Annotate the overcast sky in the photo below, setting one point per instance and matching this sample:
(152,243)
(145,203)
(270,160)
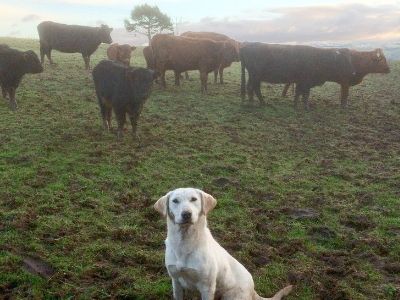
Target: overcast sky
(251,20)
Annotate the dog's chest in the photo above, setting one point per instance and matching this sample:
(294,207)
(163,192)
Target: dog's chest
(188,277)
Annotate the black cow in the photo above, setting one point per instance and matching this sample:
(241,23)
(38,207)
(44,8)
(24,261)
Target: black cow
(14,64)
(71,39)
(304,65)
(122,89)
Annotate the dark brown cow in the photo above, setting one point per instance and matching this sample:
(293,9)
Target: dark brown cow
(121,53)
(14,64)
(149,57)
(364,63)
(182,54)
(304,65)
(218,37)
(71,39)
(122,89)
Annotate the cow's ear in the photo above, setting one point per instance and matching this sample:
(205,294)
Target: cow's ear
(133,48)
(379,53)
(161,204)
(208,202)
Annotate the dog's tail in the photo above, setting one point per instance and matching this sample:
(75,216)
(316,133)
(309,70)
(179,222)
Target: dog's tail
(279,295)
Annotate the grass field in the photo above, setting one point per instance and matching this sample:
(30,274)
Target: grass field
(308,198)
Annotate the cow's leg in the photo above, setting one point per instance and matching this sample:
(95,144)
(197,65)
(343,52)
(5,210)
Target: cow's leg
(297,94)
(13,102)
(285,89)
(177,78)
(221,75)
(187,76)
(103,112)
(203,79)
(250,90)
(86,59)
(48,54)
(216,76)
(42,53)
(4,92)
(134,114)
(120,115)
(134,119)
(163,82)
(306,96)
(257,90)
(344,91)
(108,116)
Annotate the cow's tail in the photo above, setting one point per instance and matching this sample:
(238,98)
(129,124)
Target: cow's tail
(243,79)
(279,295)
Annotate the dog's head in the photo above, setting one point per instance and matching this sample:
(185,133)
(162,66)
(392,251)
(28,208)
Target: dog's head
(185,206)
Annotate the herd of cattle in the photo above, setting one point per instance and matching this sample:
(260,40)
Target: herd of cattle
(124,89)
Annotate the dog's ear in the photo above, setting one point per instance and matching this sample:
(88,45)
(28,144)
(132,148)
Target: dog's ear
(209,202)
(161,205)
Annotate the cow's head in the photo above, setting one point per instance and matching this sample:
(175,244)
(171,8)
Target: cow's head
(125,53)
(32,62)
(105,34)
(229,52)
(140,81)
(378,63)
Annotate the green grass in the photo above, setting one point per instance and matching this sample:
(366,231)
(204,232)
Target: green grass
(80,200)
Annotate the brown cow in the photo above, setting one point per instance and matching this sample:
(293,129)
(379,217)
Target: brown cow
(364,63)
(149,57)
(218,37)
(121,53)
(182,54)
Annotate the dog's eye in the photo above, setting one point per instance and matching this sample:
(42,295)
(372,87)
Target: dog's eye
(193,199)
(175,201)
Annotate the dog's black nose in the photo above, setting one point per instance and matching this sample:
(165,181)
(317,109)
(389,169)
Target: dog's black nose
(186,215)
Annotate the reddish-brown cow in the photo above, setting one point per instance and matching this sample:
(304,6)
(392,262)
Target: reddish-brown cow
(218,37)
(121,53)
(364,63)
(182,54)
(149,57)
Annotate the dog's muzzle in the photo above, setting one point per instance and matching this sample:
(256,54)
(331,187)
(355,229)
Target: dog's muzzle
(186,217)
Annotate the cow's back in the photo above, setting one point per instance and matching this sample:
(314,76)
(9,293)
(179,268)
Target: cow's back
(8,58)
(206,35)
(183,54)
(287,63)
(69,38)
(218,37)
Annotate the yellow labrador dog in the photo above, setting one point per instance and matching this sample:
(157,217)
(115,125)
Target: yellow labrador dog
(194,260)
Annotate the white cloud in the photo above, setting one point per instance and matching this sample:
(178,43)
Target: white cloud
(313,23)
